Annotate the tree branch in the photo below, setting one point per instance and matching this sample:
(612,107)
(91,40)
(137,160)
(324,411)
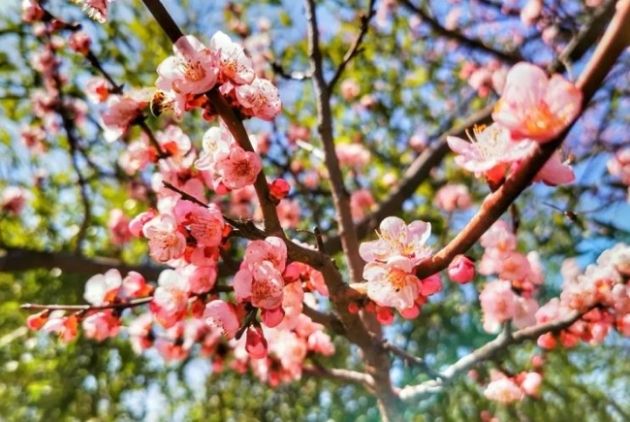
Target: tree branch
(341,198)
(420,168)
(485,352)
(511,57)
(341,375)
(611,46)
(356,45)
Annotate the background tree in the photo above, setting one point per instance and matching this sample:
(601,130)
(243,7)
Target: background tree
(370,91)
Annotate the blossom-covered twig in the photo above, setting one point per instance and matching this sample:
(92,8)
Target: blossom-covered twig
(419,169)
(485,352)
(610,47)
(231,120)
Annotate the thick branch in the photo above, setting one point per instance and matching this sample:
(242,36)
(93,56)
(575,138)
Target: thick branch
(341,198)
(18,259)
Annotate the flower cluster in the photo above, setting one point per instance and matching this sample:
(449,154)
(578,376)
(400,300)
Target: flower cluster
(531,109)
(229,166)
(506,390)
(511,298)
(102,289)
(284,352)
(391,261)
(601,293)
(194,69)
(619,166)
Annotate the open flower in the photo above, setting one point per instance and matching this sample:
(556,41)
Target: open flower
(535,107)
(240,168)
(259,99)
(392,283)
(235,66)
(398,239)
(103,288)
(490,152)
(170,299)
(192,70)
(165,241)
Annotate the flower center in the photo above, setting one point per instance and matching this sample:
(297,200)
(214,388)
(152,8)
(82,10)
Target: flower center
(193,71)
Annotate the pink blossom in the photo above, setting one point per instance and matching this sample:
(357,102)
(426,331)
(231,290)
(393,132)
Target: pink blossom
(134,286)
(525,312)
(174,141)
(262,285)
(31,11)
(350,89)
(119,113)
(504,390)
(97,89)
(80,42)
(555,172)
(192,70)
(221,314)
(165,240)
(535,107)
(461,270)
(216,144)
(530,383)
(205,224)
(619,165)
(398,239)
(235,66)
(297,133)
(137,156)
(138,222)
(201,279)
(34,137)
(272,317)
(101,289)
(593,3)
(430,285)
(118,226)
(531,12)
(101,325)
(499,237)
(353,155)
(13,200)
(256,345)
(491,153)
(498,303)
(418,142)
(66,327)
(392,283)
(289,213)
(240,168)
(260,99)
(170,299)
(96,9)
(361,201)
(452,197)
